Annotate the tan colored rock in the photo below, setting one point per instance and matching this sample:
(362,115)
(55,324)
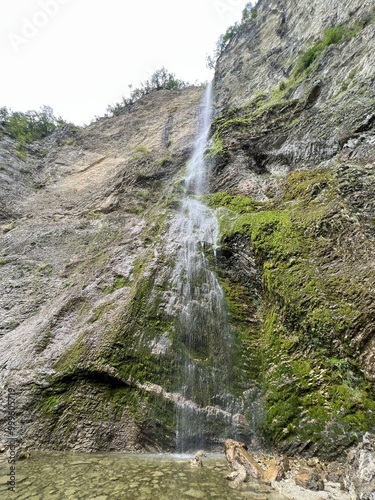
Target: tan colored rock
(197,461)
(310,481)
(23,452)
(243,463)
(273,473)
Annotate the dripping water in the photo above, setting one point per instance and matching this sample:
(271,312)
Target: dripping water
(204,417)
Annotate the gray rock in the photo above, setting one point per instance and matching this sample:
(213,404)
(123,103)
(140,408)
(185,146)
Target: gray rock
(310,481)
(359,476)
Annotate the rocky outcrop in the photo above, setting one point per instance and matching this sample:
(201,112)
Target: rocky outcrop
(359,476)
(81,217)
(263,54)
(244,466)
(293,166)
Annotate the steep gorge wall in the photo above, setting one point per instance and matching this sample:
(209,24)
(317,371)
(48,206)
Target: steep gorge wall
(293,158)
(82,218)
(87,323)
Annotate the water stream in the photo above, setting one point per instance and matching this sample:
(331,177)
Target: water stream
(201,323)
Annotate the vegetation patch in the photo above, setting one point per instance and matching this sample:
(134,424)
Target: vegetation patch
(29,126)
(313,308)
(161,79)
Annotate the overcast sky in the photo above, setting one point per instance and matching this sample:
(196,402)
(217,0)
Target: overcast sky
(78,56)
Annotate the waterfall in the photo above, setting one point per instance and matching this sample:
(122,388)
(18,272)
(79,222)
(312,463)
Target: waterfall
(205,415)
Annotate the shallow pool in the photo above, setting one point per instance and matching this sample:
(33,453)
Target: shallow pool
(102,476)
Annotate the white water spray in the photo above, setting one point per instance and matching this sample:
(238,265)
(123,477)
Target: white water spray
(201,324)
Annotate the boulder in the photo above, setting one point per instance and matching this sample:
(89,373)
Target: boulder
(197,461)
(238,457)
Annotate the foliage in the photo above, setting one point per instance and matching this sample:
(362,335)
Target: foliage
(331,36)
(313,311)
(29,126)
(248,14)
(160,80)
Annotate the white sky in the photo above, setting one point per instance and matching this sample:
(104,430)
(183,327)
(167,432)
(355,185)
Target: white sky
(78,56)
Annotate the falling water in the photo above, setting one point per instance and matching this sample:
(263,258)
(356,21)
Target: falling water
(205,414)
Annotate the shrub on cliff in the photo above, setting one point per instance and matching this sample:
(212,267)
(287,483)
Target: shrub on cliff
(29,126)
(331,36)
(248,14)
(160,80)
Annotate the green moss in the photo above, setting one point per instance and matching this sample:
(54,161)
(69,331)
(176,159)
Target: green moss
(49,404)
(331,36)
(100,311)
(94,214)
(164,161)
(120,282)
(216,146)
(141,149)
(239,204)
(312,310)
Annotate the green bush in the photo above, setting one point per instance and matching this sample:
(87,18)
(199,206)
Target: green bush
(331,36)
(29,126)
(160,80)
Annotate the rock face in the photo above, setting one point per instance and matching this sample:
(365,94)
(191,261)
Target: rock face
(80,219)
(264,52)
(360,471)
(294,131)
(87,337)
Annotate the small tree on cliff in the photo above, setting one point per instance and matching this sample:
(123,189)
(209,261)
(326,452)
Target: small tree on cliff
(160,80)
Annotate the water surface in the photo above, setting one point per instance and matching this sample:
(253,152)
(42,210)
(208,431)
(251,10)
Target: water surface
(104,476)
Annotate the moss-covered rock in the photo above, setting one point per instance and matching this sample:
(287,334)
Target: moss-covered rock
(314,307)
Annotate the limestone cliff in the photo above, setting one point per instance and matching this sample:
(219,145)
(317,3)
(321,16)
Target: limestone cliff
(81,219)
(86,321)
(295,133)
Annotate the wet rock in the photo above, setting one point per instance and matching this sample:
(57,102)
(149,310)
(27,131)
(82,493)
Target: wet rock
(23,452)
(194,494)
(197,461)
(359,478)
(242,463)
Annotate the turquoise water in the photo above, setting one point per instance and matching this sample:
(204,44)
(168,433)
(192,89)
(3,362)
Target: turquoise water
(102,476)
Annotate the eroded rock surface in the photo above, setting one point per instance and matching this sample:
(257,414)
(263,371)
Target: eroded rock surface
(86,316)
(359,476)
(243,464)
